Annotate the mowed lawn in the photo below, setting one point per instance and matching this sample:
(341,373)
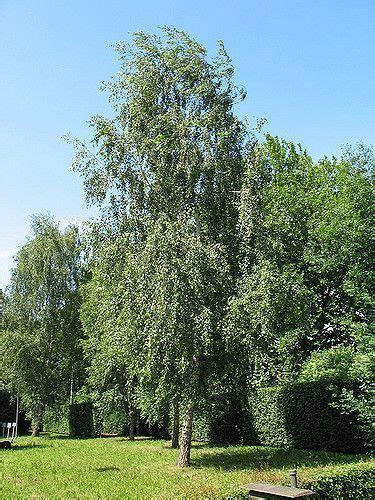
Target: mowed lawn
(54,466)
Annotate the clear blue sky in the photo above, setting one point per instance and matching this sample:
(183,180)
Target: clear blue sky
(308,66)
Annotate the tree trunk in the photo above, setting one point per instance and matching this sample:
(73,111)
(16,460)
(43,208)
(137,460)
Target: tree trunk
(176,424)
(138,425)
(37,422)
(131,424)
(71,388)
(185,446)
(132,409)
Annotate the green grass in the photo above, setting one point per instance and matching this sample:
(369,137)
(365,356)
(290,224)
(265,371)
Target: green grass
(54,466)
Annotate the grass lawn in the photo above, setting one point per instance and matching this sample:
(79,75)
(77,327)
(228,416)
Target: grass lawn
(54,466)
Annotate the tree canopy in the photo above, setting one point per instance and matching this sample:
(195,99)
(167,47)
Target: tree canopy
(40,350)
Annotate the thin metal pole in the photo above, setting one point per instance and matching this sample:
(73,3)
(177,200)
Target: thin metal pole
(17,411)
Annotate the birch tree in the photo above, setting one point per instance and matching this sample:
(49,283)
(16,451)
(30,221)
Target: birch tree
(42,328)
(173,151)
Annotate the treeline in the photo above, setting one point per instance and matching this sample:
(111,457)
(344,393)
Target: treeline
(224,260)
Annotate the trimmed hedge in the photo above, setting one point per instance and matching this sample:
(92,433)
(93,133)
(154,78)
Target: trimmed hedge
(224,419)
(81,422)
(304,415)
(56,420)
(344,482)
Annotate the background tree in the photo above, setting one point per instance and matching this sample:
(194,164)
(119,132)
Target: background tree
(107,308)
(306,232)
(40,341)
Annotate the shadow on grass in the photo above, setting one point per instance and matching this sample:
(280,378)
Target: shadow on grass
(107,469)
(61,437)
(30,446)
(260,458)
(137,438)
(66,437)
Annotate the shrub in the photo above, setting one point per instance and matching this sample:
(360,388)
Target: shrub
(57,420)
(269,417)
(224,419)
(351,368)
(334,363)
(201,431)
(81,422)
(115,422)
(344,482)
(308,415)
(229,422)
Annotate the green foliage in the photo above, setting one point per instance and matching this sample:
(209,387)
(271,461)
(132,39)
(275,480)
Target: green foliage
(56,419)
(334,363)
(39,344)
(81,422)
(164,170)
(343,364)
(115,422)
(174,143)
(308,415)
(180,320)
(307,279)
(344,482)
(220,263)
(201,430)
(225,419)
(151,312)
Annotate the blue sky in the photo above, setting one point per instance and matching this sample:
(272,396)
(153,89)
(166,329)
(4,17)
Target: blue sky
(308,67)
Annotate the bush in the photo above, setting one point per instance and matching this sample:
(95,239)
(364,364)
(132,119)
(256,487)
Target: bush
(201,430)
(308,415)
(115,422)
(344,482)
(57,420)
(229,421)
(224,419)
(334,363)
(81,422)
(267,408)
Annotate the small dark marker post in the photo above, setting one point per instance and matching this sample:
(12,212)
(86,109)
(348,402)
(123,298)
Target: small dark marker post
(293,478)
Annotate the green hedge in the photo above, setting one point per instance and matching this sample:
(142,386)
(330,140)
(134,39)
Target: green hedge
(81,422)
(57,420)
(344,482)
(115,422)
(224,419)
(306,415)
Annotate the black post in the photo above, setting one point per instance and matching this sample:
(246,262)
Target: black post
(293,478)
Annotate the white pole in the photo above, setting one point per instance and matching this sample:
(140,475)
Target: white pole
(71,388)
